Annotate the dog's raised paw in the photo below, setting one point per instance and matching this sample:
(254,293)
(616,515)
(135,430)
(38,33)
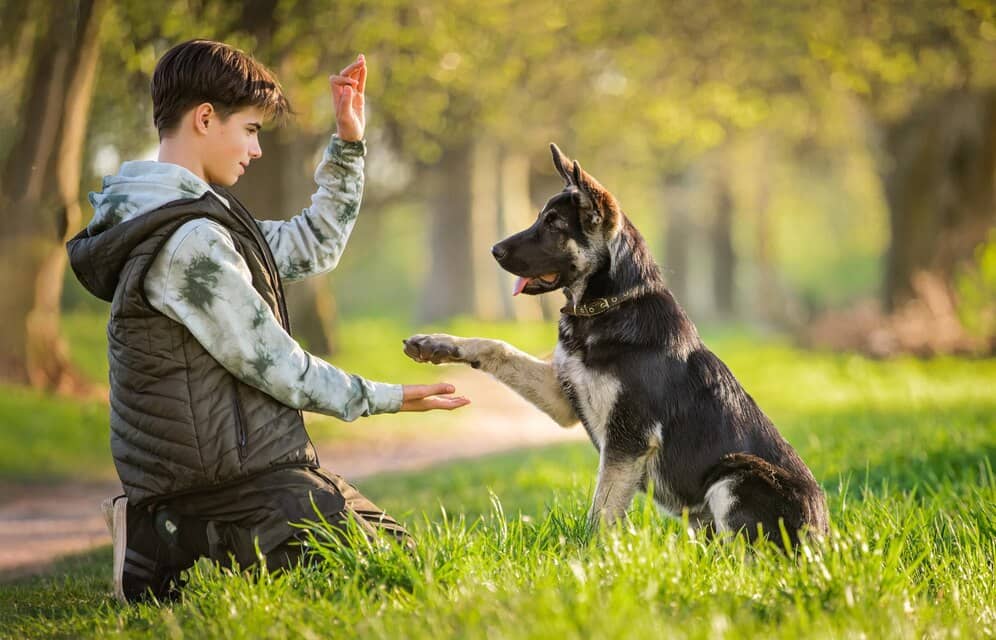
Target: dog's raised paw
(436,348)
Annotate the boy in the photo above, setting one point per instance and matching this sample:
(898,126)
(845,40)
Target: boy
(206,383)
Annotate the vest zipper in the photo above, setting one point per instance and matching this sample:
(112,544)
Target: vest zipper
(243,437)
(278,286)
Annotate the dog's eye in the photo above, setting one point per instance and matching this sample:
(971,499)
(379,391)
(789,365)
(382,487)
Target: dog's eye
(550,220)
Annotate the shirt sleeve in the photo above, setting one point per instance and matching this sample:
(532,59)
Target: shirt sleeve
(200,280)
(312,242)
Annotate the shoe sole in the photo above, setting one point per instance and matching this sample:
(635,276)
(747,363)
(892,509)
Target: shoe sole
(117,523)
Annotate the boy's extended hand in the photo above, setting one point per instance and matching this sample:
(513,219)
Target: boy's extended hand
(426,397)
(347,100)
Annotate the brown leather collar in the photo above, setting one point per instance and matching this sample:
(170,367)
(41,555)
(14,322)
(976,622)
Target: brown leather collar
(597,306)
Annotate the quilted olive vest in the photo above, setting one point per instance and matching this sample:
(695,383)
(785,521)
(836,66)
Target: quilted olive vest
(180,422)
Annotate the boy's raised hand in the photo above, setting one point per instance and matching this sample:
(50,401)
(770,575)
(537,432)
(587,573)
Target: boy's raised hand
(347,99)
(426,397)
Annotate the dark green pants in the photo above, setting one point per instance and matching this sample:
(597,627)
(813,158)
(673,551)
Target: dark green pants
(227,540)
(235,524)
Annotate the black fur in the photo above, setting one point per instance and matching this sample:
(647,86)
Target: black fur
(710,428)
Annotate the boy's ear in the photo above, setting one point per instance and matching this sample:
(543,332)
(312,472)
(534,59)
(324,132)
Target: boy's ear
(203,115)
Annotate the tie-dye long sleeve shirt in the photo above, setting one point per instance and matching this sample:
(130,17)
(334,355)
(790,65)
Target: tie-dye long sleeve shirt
(200,280)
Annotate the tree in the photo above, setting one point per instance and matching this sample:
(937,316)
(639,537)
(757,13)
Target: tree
(941,189)
(39,206)
(724,257)
(923,71)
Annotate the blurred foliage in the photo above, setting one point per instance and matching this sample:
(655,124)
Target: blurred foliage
(787,96)
(976,288)
(687,75)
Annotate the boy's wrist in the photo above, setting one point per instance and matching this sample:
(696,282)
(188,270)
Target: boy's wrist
(357,148)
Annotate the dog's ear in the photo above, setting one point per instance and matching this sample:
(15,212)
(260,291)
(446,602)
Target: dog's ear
(561,162)
(597,207)
(591,217)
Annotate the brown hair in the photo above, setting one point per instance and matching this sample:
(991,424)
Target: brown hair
(199,71)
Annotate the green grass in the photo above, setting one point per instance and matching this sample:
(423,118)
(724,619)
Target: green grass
(903,560)
(904,449)
(49,439)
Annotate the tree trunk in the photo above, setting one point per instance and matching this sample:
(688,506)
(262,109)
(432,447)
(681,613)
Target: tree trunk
(40,196)
(484,230)
(517,213)
(940,190)
(449,288)
(770,301)
(724,259)
(678,196)
(314,315)
(767,284)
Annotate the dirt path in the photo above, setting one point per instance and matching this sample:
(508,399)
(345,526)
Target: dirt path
(40,524)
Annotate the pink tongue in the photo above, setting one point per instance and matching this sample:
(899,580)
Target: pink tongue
(520,284)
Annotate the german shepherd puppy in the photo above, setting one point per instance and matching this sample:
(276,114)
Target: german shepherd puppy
(661,409)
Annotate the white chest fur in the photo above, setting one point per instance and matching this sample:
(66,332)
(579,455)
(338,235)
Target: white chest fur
(596,392)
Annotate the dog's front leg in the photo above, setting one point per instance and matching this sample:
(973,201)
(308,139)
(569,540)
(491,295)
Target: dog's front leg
(532,378)
(619,478)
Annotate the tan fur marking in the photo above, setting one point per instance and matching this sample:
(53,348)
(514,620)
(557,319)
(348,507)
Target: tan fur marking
(530,377)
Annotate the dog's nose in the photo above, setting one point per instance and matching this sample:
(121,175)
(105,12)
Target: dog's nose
(499,251)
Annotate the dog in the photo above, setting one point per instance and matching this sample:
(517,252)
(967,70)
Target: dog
(663,411)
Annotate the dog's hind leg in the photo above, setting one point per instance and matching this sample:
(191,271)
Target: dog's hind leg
(532,378)
(720,500)
(747,492)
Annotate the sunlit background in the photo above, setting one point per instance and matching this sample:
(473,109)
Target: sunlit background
(783,159)
(817,180)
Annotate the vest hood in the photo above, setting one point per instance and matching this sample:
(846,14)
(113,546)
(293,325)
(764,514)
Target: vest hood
(98,253)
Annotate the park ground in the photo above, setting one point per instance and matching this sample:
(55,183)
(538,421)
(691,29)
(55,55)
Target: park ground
(903,449)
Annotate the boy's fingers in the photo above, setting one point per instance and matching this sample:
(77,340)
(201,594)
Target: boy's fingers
(357,71)
(437,402)
(344,98)
(351,68)
(427,397)
(362,76)
(343,80)
(448,403)
(417,391)
(439,389)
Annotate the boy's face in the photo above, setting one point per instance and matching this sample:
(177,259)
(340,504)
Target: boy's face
(232,143)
